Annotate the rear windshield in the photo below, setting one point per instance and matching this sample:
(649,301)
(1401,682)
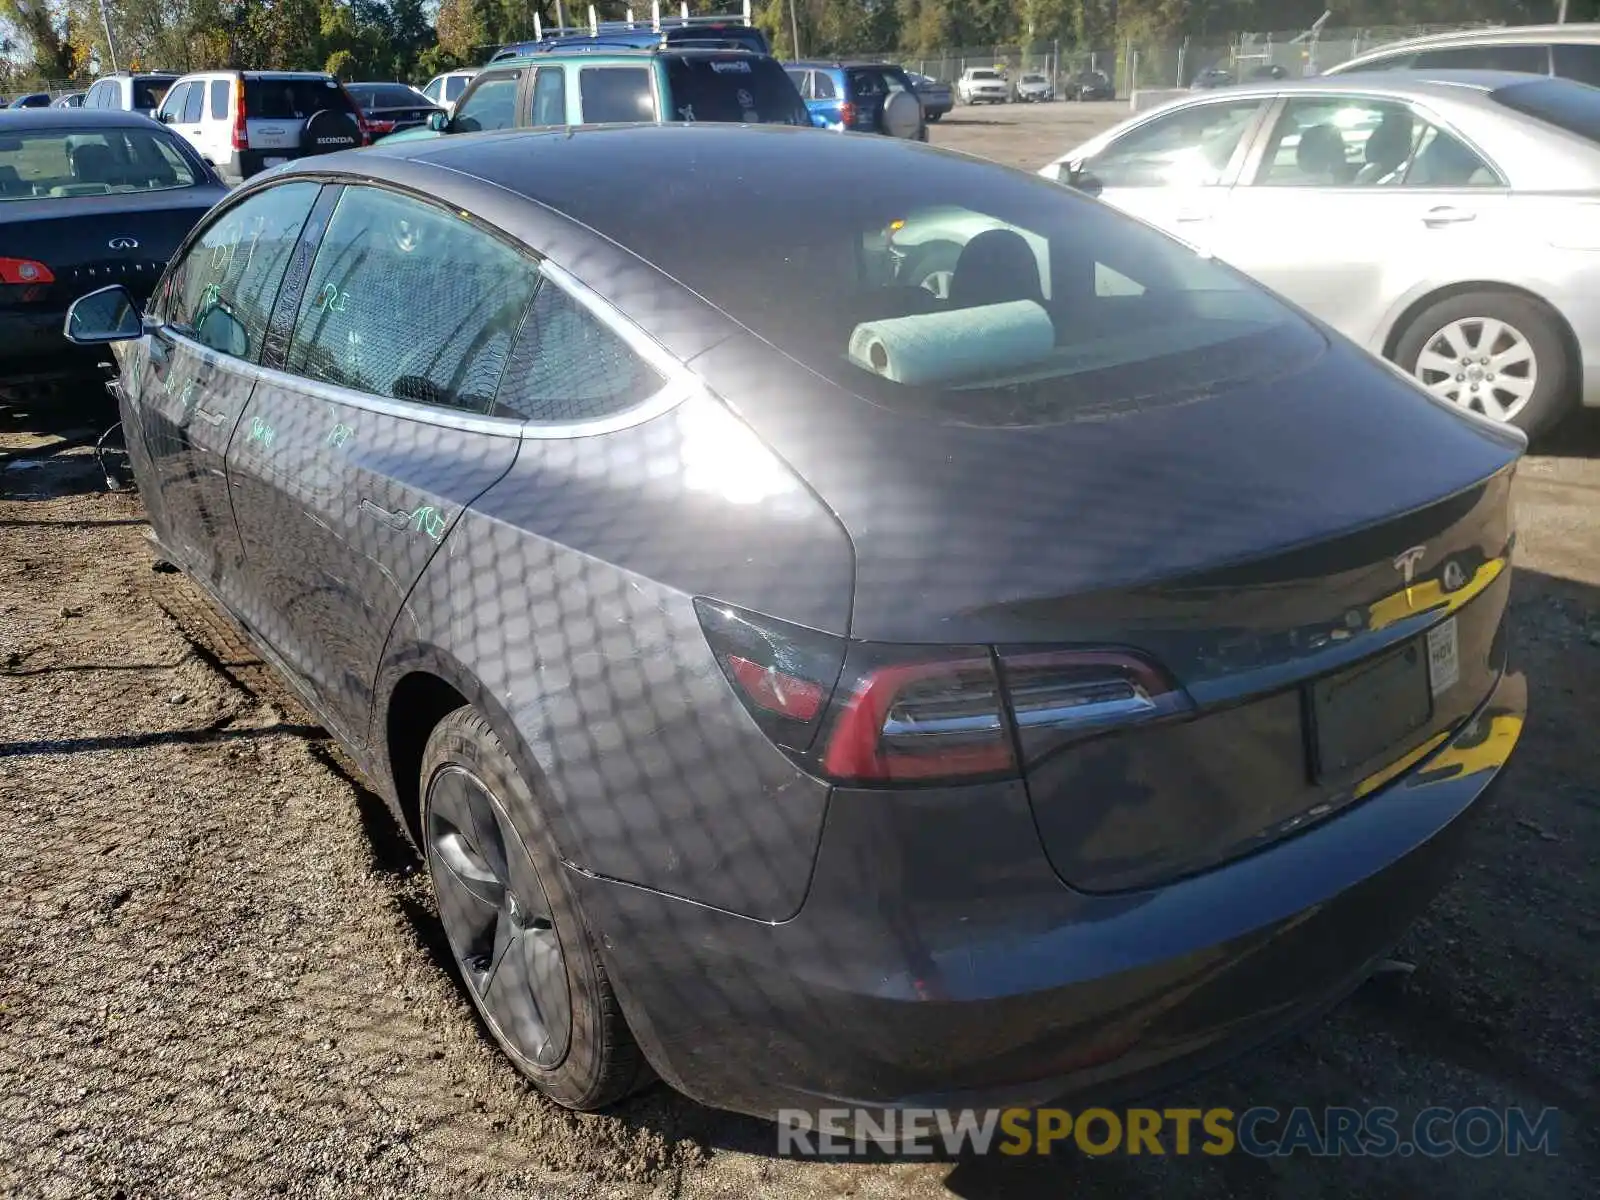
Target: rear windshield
(755,91)
(149,93)
(1573,107)
(292,99)
(1033,79)
(985,75)
(877,81)
(1009,300)
(385,95)
(739,35)
(64,162)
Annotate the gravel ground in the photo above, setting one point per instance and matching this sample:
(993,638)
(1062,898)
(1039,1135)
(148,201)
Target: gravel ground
(222,975)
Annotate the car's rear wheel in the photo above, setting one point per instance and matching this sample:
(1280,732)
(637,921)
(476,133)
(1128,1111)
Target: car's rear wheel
(513,924)
(1498,354)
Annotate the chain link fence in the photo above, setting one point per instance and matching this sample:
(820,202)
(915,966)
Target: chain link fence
(1138,64)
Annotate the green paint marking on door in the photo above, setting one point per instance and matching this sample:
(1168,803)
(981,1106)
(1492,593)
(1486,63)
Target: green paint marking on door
(340,435)
(429,520)
(261,432)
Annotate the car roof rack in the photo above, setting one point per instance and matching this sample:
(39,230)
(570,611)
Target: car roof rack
(630,24)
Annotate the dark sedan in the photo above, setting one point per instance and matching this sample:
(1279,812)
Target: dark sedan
(1090,85)
(390,107)
(87,197)
(32,100)
(806,684)
(937,96)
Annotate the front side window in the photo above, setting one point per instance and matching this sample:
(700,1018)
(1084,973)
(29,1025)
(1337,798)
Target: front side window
(1339,142)
(172,106)
(616,95)
(752,91)
(40,162)
(432,90)
(492,104)
(410,302)
(550,97)
(221,293)
(569,367)
(1191,147)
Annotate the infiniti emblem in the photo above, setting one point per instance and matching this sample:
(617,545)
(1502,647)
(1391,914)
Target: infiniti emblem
(123,243)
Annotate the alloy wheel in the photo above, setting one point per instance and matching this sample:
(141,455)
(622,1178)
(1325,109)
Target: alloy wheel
(1482,364)
(497,918)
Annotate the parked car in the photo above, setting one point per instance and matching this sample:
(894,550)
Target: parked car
(607,556)
(242,122)
(140,92)
(860,97)
(444,90)
(726,31)
(937,96)
(70,100)
(982,85)
(86,199)
(1033,87)
(1268,71)
(1568,51)
(390,107)
(1434,217)
(1212,77)
(32,100)
(1090,85)
(613,86)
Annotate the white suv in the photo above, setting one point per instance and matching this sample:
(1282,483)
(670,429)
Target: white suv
(444,90)
(140,93)
(243,122)
(983,85)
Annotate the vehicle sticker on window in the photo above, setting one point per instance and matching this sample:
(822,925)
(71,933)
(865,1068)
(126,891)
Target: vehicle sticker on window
(730,67)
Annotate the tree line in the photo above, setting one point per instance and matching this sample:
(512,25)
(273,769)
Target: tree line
(411,40)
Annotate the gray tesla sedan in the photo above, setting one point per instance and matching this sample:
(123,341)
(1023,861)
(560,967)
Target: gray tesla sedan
(803,685)
(1443,219)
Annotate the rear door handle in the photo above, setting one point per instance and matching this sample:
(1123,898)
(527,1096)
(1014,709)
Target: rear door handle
(1448,215)
(397,519)
(1191,216)
(215,418)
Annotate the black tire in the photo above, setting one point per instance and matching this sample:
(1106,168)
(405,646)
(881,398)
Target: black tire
(933,118)
(601,1062)
(1553,397)
(329,131)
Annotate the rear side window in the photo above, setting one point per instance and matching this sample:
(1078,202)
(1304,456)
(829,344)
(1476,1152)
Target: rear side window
(410,302)
(1556,102)
(194,104)
(549,97)
(292,99)
(616,95)
(222,292)
(755,91)
(1534,60)
(148,93)
(454,86)
(569,367)
(219,99)
(1579,61)
(385,95)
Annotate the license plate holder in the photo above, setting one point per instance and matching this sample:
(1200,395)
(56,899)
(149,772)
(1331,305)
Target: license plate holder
(1370,708)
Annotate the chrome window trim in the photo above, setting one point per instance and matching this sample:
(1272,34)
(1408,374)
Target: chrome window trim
(681,383)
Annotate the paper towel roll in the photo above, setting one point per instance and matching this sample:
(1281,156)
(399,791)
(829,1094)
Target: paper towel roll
(959,344)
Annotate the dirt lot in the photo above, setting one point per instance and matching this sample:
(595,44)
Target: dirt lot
(220,974)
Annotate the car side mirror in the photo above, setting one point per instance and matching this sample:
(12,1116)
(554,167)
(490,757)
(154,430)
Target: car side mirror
(438,121)
(109,315)
(164,117)
(1080,179)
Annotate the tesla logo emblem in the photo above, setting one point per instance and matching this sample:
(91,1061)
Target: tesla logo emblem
(1455,577)
(1406,564)
(123,243)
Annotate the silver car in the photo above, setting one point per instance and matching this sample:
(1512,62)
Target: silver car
(1449,221)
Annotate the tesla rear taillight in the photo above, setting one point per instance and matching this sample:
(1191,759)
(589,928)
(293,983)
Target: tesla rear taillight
(872,714)
(24,270)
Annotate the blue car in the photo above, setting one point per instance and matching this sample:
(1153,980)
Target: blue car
(861,97)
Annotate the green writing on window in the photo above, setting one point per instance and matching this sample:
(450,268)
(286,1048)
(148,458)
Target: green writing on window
(339,435)
(331,299)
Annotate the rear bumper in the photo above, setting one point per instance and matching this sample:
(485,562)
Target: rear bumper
(938,960)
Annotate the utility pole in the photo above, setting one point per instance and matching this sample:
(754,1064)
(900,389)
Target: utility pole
(1561,11)
(111,45)
(794,27)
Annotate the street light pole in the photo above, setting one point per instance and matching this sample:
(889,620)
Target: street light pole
(794,27)
(111,45)
(1561,11)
